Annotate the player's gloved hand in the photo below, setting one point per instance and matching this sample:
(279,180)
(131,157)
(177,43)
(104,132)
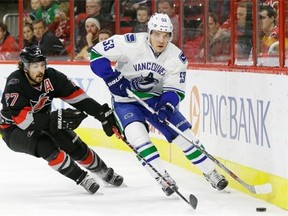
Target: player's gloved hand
(63,119)
(165,111)
(166,105)
(106,117)
(118,84)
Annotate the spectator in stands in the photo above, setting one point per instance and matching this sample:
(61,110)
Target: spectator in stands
(129,7)
(92,27)
(142,20)
(192,46)
(106,7)
(104,34)
(31,16)
(29,38)
(221,9)
(61,25)
(48,10)
(47,41)
(244,35)
(8,46)
(93,10)
(270,30)
(167,7)
(218,42)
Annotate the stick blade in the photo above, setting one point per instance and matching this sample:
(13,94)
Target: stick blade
(263,189)
(193,201)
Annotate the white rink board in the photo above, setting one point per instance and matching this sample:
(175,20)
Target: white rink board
(242,116)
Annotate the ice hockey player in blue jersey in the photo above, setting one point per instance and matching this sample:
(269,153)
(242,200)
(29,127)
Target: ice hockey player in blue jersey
(154,69)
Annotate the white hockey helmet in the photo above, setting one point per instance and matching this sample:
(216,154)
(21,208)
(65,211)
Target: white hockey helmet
(160,22)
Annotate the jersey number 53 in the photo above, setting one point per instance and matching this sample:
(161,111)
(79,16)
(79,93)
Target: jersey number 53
(108,44)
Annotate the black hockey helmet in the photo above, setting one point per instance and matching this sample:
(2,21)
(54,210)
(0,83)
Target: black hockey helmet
(32,54)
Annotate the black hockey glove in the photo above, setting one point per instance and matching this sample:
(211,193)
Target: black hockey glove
(63,119)
(106,117)
(118,84)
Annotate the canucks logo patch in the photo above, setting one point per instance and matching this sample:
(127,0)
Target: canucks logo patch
(144,84)
(182,57)
(130,38)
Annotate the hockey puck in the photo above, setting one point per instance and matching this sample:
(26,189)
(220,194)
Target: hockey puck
(260,209)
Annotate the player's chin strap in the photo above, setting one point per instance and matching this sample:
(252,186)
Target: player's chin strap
(192,199)
(256,189)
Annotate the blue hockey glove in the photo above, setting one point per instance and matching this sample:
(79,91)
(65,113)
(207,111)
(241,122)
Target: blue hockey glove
(118,84)
(166,105)
(165,111)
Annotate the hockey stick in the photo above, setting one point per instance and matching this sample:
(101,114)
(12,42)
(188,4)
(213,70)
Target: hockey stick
(193,201)
(256,189)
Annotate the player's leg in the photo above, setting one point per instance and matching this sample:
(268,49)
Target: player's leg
(195,156)
(40,144)
(69,141)
(136,134)
(201,161)
(132,120)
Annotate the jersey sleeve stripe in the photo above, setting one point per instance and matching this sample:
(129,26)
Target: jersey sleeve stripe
(75,97)
(24,119)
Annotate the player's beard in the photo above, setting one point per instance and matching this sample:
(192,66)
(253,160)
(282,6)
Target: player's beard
(35,81)
(39,79)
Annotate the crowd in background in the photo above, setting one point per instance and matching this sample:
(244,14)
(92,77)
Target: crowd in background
(47,23)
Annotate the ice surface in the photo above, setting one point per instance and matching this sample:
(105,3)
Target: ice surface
(28,186)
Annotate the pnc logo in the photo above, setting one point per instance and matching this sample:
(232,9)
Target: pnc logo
(195,109)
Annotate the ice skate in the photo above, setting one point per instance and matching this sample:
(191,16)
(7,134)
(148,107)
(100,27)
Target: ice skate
(89,184)
(168,184)
(109,176)
(217,180)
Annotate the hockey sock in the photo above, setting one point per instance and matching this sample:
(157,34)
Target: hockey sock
(66,166)
(137,135)
(95,164)
(195,156)
(92,162)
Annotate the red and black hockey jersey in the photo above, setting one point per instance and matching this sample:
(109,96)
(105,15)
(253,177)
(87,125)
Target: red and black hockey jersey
(28,106)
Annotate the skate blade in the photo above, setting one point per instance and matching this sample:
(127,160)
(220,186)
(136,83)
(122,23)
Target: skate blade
(107,185)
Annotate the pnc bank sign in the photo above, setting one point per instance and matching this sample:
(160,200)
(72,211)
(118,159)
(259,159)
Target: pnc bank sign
(242,119)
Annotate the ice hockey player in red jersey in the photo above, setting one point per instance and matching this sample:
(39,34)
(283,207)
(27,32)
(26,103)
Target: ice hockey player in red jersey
(28,124)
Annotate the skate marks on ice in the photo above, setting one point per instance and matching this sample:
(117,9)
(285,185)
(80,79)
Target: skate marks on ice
(28,186)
